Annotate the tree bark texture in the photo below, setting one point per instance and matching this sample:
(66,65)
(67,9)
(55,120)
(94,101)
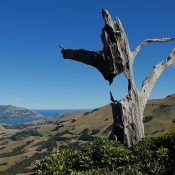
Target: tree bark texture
(128,125)
(115,58)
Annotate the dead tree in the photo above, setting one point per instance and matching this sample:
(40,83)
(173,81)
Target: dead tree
(115,58)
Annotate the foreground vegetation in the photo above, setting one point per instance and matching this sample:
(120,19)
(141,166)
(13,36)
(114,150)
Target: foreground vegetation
(154,155)
(21,145)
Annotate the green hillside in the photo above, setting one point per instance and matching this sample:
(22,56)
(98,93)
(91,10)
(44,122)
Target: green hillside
(161,115)
(23,144)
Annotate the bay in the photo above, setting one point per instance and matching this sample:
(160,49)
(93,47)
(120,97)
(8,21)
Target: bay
(45,112)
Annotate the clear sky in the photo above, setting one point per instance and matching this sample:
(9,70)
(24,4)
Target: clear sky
(33,73)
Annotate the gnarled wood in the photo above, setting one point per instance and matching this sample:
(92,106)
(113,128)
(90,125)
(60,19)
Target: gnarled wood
(150,81)
(128,125)
(150,40)
(116,58)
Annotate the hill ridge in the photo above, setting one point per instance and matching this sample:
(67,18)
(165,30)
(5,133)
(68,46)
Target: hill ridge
(10,111)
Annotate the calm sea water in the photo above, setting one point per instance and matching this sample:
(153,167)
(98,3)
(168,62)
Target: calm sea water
(45,112)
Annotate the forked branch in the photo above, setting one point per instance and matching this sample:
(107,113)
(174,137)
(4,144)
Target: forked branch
(147,41)
(149,82)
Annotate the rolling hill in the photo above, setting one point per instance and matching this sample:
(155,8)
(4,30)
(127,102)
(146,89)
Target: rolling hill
(23,144)
(9,111)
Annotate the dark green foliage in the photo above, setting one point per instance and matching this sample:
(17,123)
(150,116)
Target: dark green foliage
(2,147)
(86,131)
(86,135)
(16,126)
(108,129)
(3,164)
(158,146)
(20,166)
(147,118)
(86,113)
(73,120)
(50,144)
(16,151)
(95,131)
(173,121)
(25,133)
(152,156)
(58,127)
(64,132)
(89,112)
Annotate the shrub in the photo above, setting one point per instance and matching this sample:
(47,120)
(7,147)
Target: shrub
(95,131)
(158,150)
(147,119)
(151,156)
(25,133)
(86,135)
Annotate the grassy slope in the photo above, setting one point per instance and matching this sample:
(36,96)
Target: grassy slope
(162,114)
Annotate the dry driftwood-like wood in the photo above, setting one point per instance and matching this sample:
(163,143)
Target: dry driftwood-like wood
(115,58)
(150,40)
(128,113)
(150,81)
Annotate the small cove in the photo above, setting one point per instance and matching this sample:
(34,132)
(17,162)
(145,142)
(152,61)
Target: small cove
(45,112)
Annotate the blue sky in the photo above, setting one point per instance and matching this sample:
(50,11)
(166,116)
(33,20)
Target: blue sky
(33,73)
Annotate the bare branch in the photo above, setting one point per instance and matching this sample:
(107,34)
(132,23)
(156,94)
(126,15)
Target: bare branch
(84,56)
(114,58)
(147,41)
(92,58)
(61,46)
(149,82)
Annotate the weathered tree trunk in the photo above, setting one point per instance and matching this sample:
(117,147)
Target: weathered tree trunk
(127,113)
(115,58)
(128,120)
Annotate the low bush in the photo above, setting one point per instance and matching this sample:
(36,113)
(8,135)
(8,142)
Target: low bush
(155,156)
(25,133)
(147,119)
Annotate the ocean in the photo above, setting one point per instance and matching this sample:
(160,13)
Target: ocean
(45,112)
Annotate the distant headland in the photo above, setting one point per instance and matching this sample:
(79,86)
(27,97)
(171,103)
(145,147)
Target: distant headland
(9,111)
